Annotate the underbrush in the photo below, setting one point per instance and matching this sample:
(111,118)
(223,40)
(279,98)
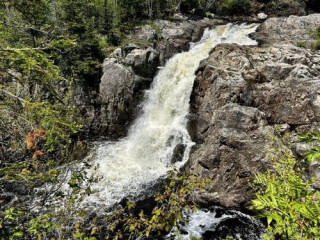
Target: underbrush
(151,218)
(286,197)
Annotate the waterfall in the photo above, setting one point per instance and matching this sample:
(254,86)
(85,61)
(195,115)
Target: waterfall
(126,167)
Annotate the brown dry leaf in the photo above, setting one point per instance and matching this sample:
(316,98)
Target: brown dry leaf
(37,154)
(30,140)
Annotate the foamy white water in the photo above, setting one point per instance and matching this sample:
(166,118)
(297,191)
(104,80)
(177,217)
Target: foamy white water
(204,221)
(127,166)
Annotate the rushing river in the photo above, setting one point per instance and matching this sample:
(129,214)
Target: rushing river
(128,166)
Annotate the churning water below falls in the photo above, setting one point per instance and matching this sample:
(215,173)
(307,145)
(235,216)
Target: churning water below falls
(127,166)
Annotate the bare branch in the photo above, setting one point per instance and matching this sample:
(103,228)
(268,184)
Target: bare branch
(14,96)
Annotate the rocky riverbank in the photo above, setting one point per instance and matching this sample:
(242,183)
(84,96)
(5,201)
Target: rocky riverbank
(241,95)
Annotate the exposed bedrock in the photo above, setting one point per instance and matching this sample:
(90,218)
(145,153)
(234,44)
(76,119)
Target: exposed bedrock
(240,95)
(292,29)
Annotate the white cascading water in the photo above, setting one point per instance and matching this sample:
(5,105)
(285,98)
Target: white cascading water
(202,221)
(127,166)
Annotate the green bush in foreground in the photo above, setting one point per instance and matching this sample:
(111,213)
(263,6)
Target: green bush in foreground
(129,223)
(235,7)
(285,198)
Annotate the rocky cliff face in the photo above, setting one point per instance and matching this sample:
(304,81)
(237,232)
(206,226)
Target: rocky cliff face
(243,93)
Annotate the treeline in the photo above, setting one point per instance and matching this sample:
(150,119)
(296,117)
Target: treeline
(35,20)
(81,30)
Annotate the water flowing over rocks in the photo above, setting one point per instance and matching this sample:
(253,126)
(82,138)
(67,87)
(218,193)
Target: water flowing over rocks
(158,140)
(129,71)
(218,223)
(243,93)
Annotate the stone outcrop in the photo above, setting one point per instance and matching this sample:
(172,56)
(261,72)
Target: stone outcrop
(121,89)
(241,95)
(292,30)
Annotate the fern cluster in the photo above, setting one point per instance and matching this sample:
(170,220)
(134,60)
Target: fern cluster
(286,198)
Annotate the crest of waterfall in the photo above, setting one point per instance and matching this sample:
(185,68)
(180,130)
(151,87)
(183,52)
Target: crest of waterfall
(127,166)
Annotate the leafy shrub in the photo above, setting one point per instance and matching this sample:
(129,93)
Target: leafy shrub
(302,44)
(169,206)
(285,198)
(235,7)
(317,45)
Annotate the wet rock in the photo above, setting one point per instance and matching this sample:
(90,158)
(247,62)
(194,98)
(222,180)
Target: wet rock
(241,95)
(130,47)
(218,223)
(314,170)
(117,54)
(178,153)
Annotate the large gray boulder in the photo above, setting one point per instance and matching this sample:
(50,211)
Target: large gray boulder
(240,95)
(292,29)
(144,62)
(120,92)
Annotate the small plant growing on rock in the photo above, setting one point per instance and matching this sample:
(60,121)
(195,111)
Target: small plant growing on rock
(301,44)
(317,45)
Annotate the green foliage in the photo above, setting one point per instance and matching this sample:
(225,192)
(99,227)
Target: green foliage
(12,217)
(55,119)
(317,33)
(313,153)
(30,66)
(235,7)
(42,225)
(228,238)
(131,222)
(30,99)
(285,198)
